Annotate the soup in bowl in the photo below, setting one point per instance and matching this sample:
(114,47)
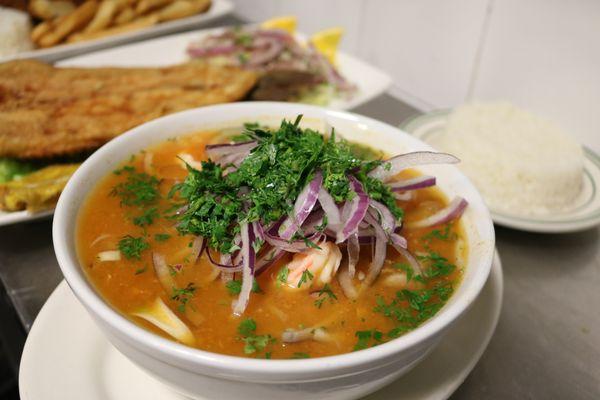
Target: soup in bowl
(272,249)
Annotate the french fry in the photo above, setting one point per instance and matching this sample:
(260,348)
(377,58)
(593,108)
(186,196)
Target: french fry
(126,15)
(181,9)
(70,23)
(103,17)
(48,9)
(143,6)
(142,22)
(40,30)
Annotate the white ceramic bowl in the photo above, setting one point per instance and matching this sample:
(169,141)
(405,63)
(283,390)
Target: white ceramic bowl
(201,374)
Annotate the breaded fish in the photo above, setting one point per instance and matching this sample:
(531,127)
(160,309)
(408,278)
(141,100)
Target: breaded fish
(47,111)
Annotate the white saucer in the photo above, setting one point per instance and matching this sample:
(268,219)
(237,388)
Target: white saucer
(66,357)
(584,214)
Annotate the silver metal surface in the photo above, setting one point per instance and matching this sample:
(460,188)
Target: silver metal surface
(546,346)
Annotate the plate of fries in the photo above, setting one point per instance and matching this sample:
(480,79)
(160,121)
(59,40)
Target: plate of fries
(70,27)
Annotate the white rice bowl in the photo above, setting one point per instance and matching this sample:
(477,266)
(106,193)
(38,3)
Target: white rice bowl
(521,163)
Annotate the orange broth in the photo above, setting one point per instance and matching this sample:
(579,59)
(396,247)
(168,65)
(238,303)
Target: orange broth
(130,285)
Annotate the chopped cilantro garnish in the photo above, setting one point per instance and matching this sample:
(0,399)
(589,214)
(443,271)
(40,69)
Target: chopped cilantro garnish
(306,276)
(406,268)
(132,247)
(140,270)
(366,337)
(253,342)
(235,287)
(446,235)
(183,295)
(147,217)
(139,189)
(436,265)
(161,237)
(282,275)
(324,294)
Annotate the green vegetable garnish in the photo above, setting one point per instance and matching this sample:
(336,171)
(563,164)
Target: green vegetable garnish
(269,180)
(183,295)
(161,237)
(235,287)
(365,337)
(147,217)
(139,188)
(254,342)
(13,169)
(324,294)
(132,247)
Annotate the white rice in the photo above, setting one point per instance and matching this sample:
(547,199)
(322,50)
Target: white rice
(15,28)
(521,163)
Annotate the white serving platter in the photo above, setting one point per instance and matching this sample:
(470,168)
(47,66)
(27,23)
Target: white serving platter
(218,9)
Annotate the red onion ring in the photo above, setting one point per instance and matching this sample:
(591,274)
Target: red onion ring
(304,204)
(419,182)
(452,211)
(248,260)
(356,210)
(398,163)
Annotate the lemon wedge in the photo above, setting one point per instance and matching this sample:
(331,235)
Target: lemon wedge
(286,23)
(327,42)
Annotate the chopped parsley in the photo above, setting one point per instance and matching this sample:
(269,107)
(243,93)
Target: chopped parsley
(253,342)
(132,247)
(306,276)
(235,287)
(139,188)
(268,181)
(410,308)
(183,295)
(141,270)
(446,235)
(282,275)
(436,265)
(162,237)
(367,339)
(147,217)
(324,294)
(406,268)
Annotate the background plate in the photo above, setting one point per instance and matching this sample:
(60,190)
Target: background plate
(584,214)
(218,9)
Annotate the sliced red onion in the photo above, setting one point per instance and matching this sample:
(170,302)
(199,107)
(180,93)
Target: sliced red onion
(225,263)
(398,240)
(407,196)
(331,209)
(346,283)
(304,204)
(196,250)
(412,261)
(419,182)
(295,246)
(356,210)
(398,163)
(195,51)
(163,273)
(452,211)
(377,261)
(268,50)
(388,222)
(216,151)
(353,254)
(379,231)
(248,260)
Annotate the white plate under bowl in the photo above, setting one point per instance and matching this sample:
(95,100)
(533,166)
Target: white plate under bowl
(169,50)
(218,9)
(66,357)
(584,214)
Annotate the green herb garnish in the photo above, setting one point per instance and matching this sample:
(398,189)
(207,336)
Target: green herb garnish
(306,276)
(235,287)
(300,355)
(324,294)
(446,235)
(183,296)
(282,275)
(365,338)
(139,188)
(253,342)
(436,265)
(147,217)
(132,247)
(162,237)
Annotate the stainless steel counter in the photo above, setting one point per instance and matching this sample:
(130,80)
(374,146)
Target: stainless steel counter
(546,346)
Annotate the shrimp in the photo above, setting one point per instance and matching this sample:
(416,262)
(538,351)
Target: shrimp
(321,264)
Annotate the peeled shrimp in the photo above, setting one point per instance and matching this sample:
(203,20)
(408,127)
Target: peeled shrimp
(321,264)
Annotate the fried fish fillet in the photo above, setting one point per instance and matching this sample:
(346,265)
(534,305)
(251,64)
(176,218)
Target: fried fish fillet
(47,111)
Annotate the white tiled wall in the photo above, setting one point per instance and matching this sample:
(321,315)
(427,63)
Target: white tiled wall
(543,55)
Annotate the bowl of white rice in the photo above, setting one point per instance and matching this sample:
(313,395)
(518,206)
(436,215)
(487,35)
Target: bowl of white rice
(532,174)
